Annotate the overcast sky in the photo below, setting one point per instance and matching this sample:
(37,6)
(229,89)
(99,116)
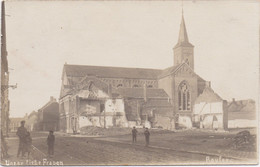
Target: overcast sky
(42,36)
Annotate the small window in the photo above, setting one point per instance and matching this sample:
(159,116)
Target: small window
(150,86)
(120,85)
(135,86)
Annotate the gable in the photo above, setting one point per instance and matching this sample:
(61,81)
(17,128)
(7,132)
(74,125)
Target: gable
(208,96)
(179,70)
(184,70)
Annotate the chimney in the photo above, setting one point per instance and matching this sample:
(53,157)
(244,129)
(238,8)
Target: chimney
(109,91)
(145,93)
(208,84)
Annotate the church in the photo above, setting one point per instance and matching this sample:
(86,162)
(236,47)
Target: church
(126,97)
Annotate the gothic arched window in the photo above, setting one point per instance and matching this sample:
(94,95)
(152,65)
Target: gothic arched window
(184,97)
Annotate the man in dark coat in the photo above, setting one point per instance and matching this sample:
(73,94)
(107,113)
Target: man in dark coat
(147,136)
(134,134)
(21,133)
(50,143)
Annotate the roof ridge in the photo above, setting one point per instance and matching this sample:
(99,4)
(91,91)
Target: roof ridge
(113,67)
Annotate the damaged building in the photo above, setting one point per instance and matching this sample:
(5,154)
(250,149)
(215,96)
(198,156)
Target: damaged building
(126,97)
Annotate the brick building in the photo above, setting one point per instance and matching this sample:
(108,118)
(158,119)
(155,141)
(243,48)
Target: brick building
(149,97)
(48,116)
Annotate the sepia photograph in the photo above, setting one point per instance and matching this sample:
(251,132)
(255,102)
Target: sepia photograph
(135,82)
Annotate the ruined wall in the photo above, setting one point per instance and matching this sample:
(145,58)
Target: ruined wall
(89,107)
(164,122)
(184,121)
(116,109)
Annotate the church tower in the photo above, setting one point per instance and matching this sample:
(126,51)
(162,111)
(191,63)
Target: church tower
(183,50)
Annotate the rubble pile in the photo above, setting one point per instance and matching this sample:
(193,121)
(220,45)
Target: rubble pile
(244,141)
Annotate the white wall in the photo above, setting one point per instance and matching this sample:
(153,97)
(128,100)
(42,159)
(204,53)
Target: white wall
(164,122)
(114,105)
(89,121)
(206,108)
(208,111)
(242,123)
(185,121)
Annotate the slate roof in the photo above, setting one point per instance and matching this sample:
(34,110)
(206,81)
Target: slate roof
(111,72)
(119,72)
(139,92)
(209,96)
(183,36)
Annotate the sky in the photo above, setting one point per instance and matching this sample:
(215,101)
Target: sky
(43,35)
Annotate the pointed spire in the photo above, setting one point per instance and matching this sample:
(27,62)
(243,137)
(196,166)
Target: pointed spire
(183,36)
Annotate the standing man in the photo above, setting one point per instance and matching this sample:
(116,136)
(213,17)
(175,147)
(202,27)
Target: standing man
(50,143)
(134,134)
(147,137)
(21,133)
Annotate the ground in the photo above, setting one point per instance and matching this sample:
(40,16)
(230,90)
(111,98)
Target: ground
(166,147)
